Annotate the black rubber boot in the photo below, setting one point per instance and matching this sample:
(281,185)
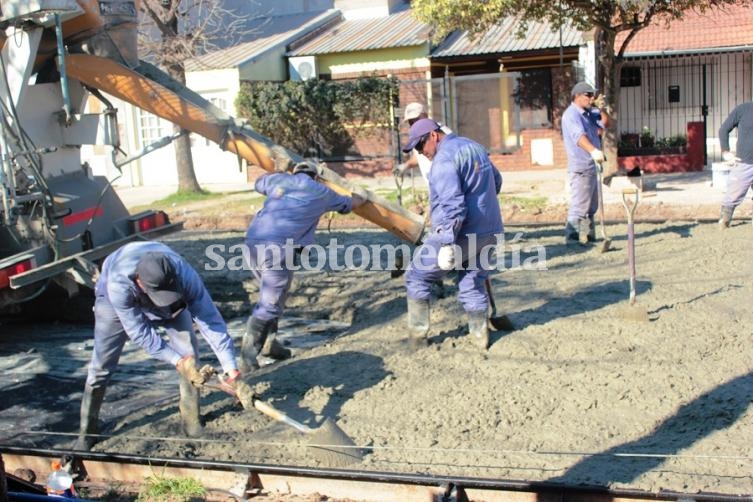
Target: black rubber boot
(260,339)
(189,409)
(274,349)
(478,328)
(571,232)
(725,216)
(418,322)
(584,229)
(591,229)
(90,406)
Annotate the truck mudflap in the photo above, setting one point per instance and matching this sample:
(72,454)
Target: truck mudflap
(150,89)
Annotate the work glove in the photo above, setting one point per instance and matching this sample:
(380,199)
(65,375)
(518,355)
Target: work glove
(600,101)
(232,383)
(187,368)
(446,257)
(597,155)
(729,157)
(400,169)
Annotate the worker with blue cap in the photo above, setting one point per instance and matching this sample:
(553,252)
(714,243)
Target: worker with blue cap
(465,225)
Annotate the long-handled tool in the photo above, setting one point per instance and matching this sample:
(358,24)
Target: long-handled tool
(328,442)
(632,311)
(498,323)
(605,241)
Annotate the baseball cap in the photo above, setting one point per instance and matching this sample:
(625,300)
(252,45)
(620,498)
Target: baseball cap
(157,275)
(582,88)
(306,167)
(412,111)
(418,130)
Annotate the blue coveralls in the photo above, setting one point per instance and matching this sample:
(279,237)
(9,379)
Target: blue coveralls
(741,174)
(463,188)
(581,168)
(123,311)
(291,212)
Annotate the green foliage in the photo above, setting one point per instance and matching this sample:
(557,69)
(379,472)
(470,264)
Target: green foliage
(609,15)
(523,203)
(672,141)
(162,489)
(316,118)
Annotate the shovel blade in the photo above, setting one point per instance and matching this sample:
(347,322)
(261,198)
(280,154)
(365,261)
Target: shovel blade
(501,323)
(331,445)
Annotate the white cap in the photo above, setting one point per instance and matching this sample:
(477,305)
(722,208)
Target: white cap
(413,111)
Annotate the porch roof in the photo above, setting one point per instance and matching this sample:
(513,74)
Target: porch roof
(502,38)
(717,28)
(400,29)
(269,33)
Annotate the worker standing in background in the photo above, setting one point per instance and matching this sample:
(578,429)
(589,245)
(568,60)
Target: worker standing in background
(741,171)
(465,223)
(582,125)
(291,212)
(143,287)
(413,113)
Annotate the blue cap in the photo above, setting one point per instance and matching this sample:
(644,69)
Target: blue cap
(418,130)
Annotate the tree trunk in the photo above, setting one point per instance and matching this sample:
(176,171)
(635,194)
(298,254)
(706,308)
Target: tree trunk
(610,87)
(187,181)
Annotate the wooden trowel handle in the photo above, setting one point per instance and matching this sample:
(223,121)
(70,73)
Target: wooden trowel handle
(276,414)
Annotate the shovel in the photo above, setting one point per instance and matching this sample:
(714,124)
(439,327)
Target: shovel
(632,311)
(498,323)
(605,241)
(328,443)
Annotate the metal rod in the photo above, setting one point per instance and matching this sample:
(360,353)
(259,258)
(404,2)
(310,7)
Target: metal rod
(61,69)
(380,477)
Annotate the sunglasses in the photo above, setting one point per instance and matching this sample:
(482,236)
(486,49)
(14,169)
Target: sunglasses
(422,142)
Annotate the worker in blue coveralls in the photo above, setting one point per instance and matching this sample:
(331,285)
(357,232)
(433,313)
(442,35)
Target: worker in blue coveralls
(143,287)
(741,161)
(465,225)
(582,126)
(280,230)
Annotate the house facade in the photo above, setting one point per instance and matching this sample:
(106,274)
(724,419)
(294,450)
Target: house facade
(502,90)
(694,71)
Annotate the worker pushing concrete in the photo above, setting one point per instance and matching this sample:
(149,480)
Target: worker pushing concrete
(466,221)
(145,286)
(282,228)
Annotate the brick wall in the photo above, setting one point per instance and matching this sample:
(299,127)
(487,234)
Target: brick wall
(521,159)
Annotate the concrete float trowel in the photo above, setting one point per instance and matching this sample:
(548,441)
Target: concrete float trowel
(328,442)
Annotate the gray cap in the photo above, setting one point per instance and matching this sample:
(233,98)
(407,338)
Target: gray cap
(582,88)
(306,167)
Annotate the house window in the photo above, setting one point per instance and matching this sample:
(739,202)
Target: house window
(219,102)
(630,76)
(533,95)
(151,128)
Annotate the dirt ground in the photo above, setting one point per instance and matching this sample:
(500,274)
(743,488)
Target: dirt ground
(580,393)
